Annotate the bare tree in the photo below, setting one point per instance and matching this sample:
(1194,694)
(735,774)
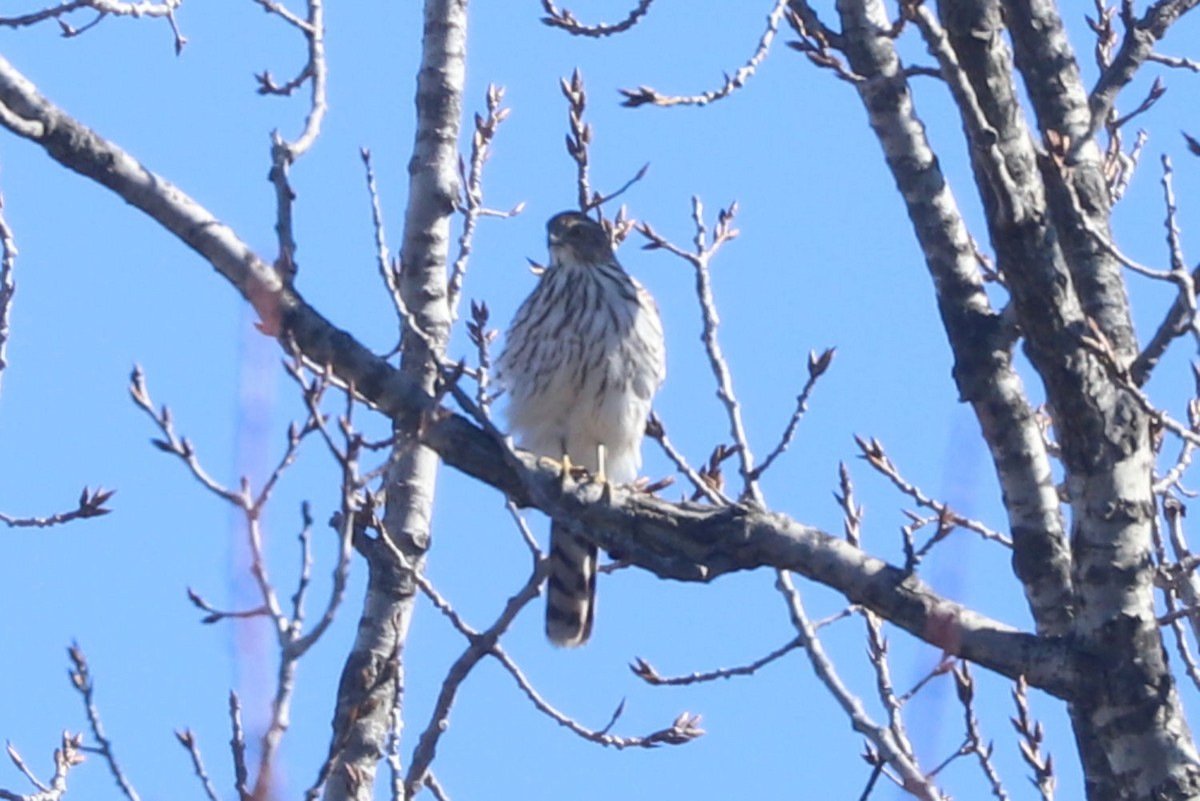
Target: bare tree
(1093,494)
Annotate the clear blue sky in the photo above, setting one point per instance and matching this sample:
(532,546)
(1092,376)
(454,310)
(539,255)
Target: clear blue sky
(826,258)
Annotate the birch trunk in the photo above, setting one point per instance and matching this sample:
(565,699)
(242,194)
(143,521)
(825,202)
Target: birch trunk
(369,702)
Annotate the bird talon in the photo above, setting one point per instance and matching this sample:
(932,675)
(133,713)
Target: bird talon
(566,468)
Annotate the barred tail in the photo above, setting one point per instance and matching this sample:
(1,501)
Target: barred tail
(570,589)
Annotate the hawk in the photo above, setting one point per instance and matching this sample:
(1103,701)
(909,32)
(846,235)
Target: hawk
(582,360)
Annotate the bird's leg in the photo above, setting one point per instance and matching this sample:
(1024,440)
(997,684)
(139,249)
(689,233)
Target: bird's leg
(567,467)
(601,476)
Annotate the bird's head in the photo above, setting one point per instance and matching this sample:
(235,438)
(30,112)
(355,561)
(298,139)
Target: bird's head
(575,238)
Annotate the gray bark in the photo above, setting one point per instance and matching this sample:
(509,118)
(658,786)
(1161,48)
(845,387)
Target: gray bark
(368,701)
(1042,210)
(983,366)
(1132,737)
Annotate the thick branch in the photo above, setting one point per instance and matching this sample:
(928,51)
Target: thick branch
(1002,158)
(1132,736)
(1076,186)
(688,541)
(983,367)
(368,707)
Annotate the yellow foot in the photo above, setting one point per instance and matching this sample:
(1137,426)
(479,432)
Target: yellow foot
(568,469)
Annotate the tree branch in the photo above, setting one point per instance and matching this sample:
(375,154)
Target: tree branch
(369,710)
(1137,47)
(565,20)
(983,369)
(687,541)
(644,95)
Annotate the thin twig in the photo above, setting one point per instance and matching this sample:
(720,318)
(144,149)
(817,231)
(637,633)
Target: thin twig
(313,72)
(852,513)
(621,225)
(647,673)
(8,257)
(188,740)
(944,666)
(383,259)
(658,432)
(580,136)
(66,757)
(872,451)
(1180,274)
(81,679)
(877,652)
(215,615)
(435,787)
(103,8)
(272,7)
(472,181)
(1122,165)
(566,21)
(644,95)
(817,365)
(1181,318)
(479,646)
(296,644)
(723,232)
(306,566)
(178,446)
(881,738)
(818,42)
(482,338)
(281,160)
(291,638)
(683,729)
(526,534)
(1187,585)
(964,685)
(1175,62)
(486,643)
(90,504)
(1169,580)
(1032,735)
(283,152)
(1153,95)
(19,761)
(237,745)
